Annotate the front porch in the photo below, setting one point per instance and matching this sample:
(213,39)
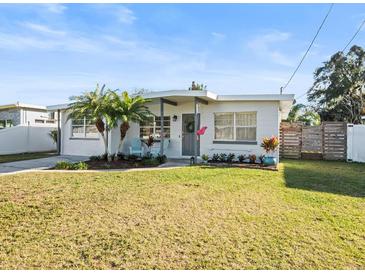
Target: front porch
(177,119)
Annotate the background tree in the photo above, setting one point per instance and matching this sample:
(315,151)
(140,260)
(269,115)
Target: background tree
(196,86)
(96,107)
(337,93)
(304,114)
(128,109)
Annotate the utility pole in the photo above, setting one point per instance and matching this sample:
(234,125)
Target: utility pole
(281,90)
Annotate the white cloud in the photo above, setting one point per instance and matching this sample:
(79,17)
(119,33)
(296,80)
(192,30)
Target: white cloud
(43,29)
(125,15)
(218,35)
(55,8)
(262,45)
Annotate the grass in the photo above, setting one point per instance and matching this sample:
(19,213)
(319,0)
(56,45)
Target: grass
(25,156)
(309,215)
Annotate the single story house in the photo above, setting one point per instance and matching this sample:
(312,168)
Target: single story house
(24,114)
(235,124)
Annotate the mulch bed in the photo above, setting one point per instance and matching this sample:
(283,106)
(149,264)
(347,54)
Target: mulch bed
(119,164)
(243,165)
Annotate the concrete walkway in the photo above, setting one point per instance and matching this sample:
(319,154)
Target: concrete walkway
(37,164)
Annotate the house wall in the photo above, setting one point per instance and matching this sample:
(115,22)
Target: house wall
(78,146)
(11,114)
(268,124)
(28,116)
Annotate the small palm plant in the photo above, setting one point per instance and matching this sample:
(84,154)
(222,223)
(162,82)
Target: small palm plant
(128,109)
(95,106)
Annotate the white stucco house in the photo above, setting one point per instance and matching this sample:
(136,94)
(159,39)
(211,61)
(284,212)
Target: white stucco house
(235,124)
(25,128)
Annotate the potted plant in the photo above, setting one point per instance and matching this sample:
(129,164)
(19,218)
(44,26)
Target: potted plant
(149,143)
(270,145)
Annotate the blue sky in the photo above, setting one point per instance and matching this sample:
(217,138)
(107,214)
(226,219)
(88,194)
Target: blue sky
(49,52)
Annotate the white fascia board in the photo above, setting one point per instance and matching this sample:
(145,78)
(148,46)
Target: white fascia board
(22,105)
(257,97)
(58,107)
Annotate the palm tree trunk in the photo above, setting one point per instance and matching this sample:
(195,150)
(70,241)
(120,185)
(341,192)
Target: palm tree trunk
(123,132)
(100,125)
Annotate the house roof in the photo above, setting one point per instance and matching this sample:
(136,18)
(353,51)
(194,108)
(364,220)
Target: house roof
(22,105)
(286,100)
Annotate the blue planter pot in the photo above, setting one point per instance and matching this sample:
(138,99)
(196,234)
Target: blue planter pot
(270,161)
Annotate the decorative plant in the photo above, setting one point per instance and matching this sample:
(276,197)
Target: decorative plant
(230,157)
(270,144)
(261,158)
(150,141)
(205,157)
(215,157)
(71,166)
(242,158)
(252,158)
(161,158)
(53,134)
(222,157)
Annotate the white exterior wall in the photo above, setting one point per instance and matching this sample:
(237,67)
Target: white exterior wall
(28,116)
(20,139)
(355,143)
(78,146)
(268,124)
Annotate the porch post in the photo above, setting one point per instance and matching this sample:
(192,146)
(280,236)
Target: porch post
(195,130)
(162,125)
(58,132)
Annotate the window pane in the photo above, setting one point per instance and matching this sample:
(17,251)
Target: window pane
(88,122)
(78,131)
(225,133)
(147,122)
(223,126)
(223,119)
(246,133)
(166,131)
(245,119)
(91,131)
(166,121)
(2,123)
(145,132)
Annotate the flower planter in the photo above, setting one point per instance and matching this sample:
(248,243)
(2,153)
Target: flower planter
(270,161)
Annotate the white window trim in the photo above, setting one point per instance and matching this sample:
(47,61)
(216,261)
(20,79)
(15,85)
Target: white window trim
(85,137)
(235,128)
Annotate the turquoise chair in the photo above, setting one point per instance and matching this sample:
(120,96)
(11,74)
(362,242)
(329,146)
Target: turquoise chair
(136,147)
(155,150)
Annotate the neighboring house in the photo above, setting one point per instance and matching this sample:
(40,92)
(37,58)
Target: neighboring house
(235,124)
(25,128)
(24,114)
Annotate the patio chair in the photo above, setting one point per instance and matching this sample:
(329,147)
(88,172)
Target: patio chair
(136,147)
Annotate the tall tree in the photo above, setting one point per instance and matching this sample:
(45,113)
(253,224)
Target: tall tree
(305,114)
(95,106)
(128,109)
(338,89)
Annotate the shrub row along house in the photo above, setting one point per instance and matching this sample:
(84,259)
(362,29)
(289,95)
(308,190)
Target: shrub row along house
(234,123)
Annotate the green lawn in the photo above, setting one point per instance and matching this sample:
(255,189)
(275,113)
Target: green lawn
(309,215)
(25,156)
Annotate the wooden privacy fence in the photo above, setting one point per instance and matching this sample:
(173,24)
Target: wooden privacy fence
(327,141)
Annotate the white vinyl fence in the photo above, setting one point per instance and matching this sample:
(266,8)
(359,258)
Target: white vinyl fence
(20,139)
(356,143)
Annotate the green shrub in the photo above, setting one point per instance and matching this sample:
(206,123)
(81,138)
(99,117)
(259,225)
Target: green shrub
(230,157)
(222,157)
(150,162)
(205,157)
(215,157)
(242,158)
(71,166)
(161,158)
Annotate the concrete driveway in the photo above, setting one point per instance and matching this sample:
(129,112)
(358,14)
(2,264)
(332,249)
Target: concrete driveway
(38,164)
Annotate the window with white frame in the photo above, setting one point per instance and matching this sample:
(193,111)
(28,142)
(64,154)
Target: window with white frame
(6,123)
(235,126)
(152,127)
(83,128)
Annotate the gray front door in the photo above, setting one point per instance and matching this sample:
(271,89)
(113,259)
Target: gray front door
(188,134)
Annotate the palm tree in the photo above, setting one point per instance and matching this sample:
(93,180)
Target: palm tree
(129,109)
(95,106)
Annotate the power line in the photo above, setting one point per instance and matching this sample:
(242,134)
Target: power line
(354,36)
(310,46)
(350,41)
